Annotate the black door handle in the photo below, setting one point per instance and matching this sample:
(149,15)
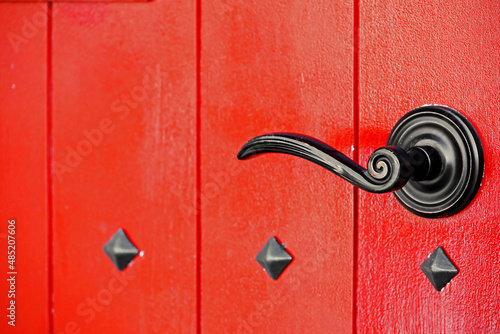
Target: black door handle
(389,167)
(434,160)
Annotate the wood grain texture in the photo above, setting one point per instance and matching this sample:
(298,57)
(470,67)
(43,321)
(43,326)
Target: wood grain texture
(124,155)
(23,162)
(268,67)
(415,53)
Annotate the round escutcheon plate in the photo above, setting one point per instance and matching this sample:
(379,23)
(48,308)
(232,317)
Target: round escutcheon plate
(459,175)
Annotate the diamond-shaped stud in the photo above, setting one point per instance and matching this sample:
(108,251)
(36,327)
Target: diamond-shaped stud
(439,269)
(120,249)
(273,258)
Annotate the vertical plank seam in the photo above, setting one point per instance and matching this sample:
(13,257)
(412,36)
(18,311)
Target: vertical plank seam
(50,178)
(356,159)
(198,167)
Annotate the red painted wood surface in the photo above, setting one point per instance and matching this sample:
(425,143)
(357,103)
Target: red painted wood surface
(266,67)
(23,163)
(415,53)
(124,156)
(72,1)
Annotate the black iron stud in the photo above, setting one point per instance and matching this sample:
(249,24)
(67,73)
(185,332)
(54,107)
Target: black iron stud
(273,258)
(439,269)
(120,250)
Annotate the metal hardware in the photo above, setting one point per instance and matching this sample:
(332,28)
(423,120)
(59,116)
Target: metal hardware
(120,250)
(433,160)
(273,258)
(439,269)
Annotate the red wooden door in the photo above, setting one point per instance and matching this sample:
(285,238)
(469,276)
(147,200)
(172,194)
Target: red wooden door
(130,115)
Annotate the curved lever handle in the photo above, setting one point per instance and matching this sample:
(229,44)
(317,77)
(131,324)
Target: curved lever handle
(389,167)
(433,160)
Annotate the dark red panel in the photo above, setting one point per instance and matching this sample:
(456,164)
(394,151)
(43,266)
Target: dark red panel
(124,155)
(23,165)
(275,66)
(415,53)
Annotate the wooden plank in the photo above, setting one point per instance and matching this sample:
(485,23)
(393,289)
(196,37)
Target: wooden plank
(124,150)
(23,165)
(415,53)
(268,67)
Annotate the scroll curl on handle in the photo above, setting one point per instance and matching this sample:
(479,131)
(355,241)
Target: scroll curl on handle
(389,167)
